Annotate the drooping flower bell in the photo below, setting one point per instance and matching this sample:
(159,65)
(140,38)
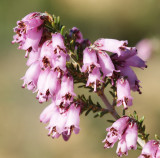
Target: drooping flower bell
(106,64)
(29,31)
(94,79)
(151,150)
(61,123)
(66,93)
(72,123)
(110,45)
(125,130)
(31,76)
(123,93)
(47,85)
(89,60)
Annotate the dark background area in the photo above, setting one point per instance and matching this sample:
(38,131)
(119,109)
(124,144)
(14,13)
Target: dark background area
(21,134)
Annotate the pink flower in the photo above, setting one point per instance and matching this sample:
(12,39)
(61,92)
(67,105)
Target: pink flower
(33,57)
(115,132)
(58,43)
(106,64)
(60,62)
(150,150)
(77,34)
(131,77)
(47,55)
(61,122)
(94,78)
(53,53)
(110,45)
(131,136)
(29,32)
(66,93)
(41,86)
(57,123)
(122,147)
(72,123)
(31,76)
(123,93)
(47,85)
(89,60)
(145,49)
(47,113)
(125,130)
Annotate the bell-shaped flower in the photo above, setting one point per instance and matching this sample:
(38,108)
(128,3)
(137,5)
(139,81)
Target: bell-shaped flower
(33,57)
(66,93)
(94,79)
(33,20)
(115,131)
(41,86)
(122,147)
(125,130)
(47,56)
(150,149)
(131,136)
(60,62)
(131,77)
(89,60)
(58,43)
(47,113)
(29,32)
(123,93)
(57,123)
(48,89)
(110,45)
(72,123)
(106,64)
(31,76)
(135,61)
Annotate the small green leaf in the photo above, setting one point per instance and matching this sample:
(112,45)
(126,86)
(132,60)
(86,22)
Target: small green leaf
(87,112)
(141,120)
(135,115)
(110,121)
(62,29)
(124,112)
(112,94)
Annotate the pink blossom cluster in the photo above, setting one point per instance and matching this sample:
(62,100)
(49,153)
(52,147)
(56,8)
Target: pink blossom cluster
(47,74)
(49,77)
(151,150)
(125,130)
(117,66)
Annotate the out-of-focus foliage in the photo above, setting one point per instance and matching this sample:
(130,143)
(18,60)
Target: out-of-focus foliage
(21,134)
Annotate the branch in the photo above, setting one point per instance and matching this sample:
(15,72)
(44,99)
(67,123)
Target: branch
(110,108)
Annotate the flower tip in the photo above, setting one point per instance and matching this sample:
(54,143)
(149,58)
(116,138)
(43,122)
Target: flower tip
(126,108)
(23,86)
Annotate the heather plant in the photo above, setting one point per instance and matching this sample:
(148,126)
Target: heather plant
(58,60)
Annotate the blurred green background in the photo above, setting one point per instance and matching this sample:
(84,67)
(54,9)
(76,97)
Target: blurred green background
(21,134)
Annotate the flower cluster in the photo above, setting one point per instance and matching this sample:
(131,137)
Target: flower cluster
(47,74)
(57,61)
(96,60)
(125,130)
